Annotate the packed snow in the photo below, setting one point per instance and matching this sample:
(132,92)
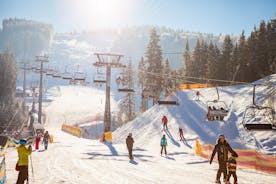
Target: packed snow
(76,160)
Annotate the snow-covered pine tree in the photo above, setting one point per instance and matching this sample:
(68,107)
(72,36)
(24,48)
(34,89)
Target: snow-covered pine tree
(141,82)
(127,103)
(13,113)
(167,80)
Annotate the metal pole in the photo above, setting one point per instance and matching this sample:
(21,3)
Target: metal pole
(24,81)
(40,92)
(107,115)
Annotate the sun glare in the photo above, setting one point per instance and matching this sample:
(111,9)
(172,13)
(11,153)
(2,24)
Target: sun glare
(100,13)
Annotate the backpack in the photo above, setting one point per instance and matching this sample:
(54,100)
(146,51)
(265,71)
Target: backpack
(163,141)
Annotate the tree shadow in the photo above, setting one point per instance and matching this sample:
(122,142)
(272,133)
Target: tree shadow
(186,143)
(138,149)
(112,149)
(178,153)
(198,162)
(99,156)
(171,138)
(133,162)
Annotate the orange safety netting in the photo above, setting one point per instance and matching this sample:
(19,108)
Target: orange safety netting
(247,158)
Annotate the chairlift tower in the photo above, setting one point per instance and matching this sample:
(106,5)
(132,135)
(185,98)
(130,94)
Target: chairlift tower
(41,59)
(108,61)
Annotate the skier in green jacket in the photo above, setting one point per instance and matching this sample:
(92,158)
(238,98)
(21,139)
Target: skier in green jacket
(163,144)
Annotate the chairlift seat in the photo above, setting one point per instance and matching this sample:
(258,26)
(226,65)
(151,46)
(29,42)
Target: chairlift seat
(125,90)
(67,77)
(98,81)
(258,126)
(167,102)
(218,113)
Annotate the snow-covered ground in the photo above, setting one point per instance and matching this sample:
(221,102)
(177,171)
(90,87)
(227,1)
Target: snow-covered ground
(80,161)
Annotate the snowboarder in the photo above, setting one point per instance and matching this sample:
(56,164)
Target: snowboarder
(46,137)
(232,167)
(37,141)
(165,122)
(221,148)
(129,143)
(181,134)
(163,144)
(23,160)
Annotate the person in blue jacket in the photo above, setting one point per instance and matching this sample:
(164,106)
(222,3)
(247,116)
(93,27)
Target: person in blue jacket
(163,144)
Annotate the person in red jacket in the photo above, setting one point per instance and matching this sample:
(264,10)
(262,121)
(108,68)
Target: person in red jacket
(165,122)
(37,141)
(181,134)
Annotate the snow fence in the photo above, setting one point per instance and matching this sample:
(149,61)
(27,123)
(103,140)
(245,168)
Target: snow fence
(247,158)
(3,148)
(71,130)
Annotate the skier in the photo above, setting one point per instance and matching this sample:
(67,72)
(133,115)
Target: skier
(163,144)
(208,115)
(232,167)
(46,137)
(181,134)
(37,140)
(23,161)
(129,143)
(197,95)
(165,122)
(221,148)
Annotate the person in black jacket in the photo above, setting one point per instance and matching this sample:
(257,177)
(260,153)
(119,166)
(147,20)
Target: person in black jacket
(129,143)
(222,148)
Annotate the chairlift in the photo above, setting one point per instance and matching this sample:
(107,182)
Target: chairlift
(50,72)
(99,78)
(126,90)
(148,93)
(169,102)
(216,109)
(80,76)
(259,118)
(56,74)
(67,75)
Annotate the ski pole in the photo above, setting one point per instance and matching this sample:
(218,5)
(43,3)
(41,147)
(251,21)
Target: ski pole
(32,167)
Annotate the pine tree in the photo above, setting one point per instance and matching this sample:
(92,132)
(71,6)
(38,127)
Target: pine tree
(213,62)
(8,76)
(167,82)
(242,58)
(154,69)
(225,66)
(187,60)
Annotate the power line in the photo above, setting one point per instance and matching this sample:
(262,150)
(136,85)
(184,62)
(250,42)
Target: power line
(169,76)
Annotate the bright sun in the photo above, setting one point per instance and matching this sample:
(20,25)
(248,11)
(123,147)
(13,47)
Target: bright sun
(100,13)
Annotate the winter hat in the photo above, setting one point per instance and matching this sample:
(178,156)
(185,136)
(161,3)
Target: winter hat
(22,142)
(221,136)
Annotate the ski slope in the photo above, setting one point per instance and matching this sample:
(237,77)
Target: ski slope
(73,160)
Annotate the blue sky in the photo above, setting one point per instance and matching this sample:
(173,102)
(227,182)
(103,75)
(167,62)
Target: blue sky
(210,16)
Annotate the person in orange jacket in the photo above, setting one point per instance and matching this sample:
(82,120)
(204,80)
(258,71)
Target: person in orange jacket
(23,161)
